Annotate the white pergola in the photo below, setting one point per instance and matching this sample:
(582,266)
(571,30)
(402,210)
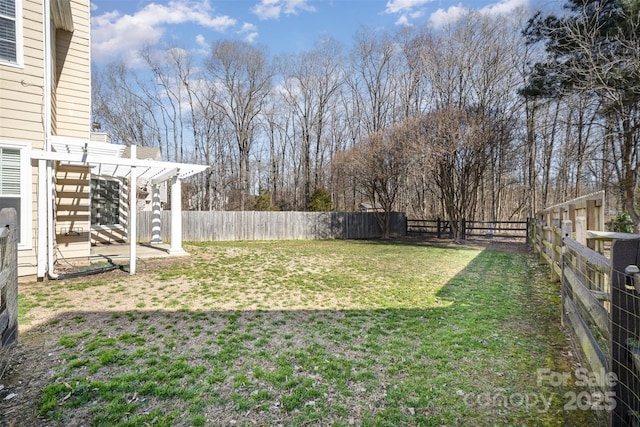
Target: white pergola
(105,159)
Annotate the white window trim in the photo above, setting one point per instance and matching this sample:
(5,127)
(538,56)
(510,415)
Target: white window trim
(26,204)
(19,39)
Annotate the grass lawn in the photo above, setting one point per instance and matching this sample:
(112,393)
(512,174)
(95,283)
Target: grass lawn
(333,333)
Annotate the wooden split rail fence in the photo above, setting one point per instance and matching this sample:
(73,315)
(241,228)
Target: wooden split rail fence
(480,229)
(601,308)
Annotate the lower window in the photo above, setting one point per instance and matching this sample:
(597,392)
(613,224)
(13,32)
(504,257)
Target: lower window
(105,201)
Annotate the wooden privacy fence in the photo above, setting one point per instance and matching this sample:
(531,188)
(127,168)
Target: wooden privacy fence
(601,308)
(8,277)
(203,226)
(485,229)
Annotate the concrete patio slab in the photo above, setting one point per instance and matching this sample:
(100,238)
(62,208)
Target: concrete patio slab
(119,253)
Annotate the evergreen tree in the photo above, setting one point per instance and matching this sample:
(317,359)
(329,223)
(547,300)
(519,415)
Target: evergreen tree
(320,201)
(593,49)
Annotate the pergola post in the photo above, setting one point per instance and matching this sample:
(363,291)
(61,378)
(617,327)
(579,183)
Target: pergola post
(41,254)
(176,217)
(156,215)
(133,220)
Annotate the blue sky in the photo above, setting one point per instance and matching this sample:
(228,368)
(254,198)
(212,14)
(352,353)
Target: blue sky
(121,27)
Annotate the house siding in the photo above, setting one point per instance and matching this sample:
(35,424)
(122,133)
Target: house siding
(22,88)
(22,113)
(72,117)
(73,76)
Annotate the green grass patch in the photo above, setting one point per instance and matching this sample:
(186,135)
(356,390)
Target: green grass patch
(319,333)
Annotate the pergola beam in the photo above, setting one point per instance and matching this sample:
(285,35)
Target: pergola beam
(154,170)
(166,175)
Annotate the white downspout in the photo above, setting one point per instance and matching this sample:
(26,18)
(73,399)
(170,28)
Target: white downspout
(48,78)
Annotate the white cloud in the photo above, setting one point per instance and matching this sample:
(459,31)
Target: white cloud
(248,27)
(249,31)
(267,9)
(272,9)
(200,41)
(401,6)
(403,20)
(442,17)
(406,19)
(292,6)
(408,10)
(251,37)
(504,7)
(203,47)
(114,34)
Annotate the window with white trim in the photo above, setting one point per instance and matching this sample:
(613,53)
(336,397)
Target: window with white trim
(11,32)
(105,201)
(15,187)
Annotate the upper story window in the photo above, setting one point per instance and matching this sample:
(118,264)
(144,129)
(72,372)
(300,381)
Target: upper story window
(11,32)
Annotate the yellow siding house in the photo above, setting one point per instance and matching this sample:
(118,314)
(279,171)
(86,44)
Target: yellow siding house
(47,159)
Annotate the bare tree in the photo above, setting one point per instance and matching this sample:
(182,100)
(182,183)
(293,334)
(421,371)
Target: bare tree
(379,165)
(242,74)
(468,66)
(166,68)
(372,83)
(459,142)
(121,107)
(310,83)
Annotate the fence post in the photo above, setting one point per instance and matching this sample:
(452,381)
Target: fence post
(581,230)
(9,277)
(624,327)
(438,228)
(567,227)
(542,237)
(464,229)
(556,241)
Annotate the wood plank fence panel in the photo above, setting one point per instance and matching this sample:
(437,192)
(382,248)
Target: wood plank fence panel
(203,226)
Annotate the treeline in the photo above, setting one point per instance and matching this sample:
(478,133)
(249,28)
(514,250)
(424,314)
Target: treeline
(476,120)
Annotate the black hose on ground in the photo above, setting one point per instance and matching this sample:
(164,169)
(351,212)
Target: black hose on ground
(92,271)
